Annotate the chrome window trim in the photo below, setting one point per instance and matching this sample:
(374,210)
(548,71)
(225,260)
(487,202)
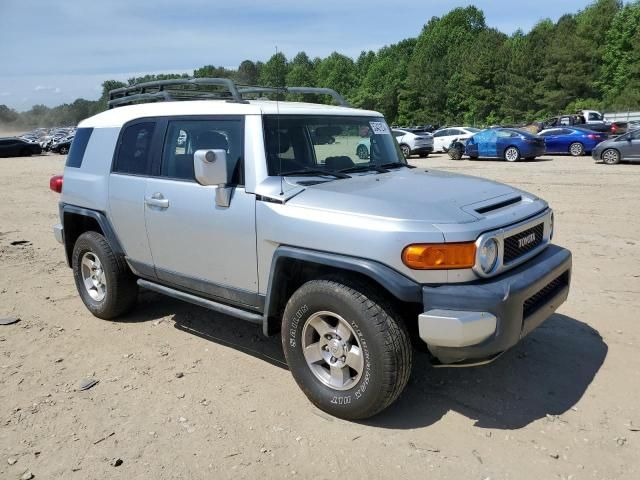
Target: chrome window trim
(502,233)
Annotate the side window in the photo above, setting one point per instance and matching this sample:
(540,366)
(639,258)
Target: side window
(398,133)
(635,135)
(134,152)
(78,147)
(594,116)
(185,137)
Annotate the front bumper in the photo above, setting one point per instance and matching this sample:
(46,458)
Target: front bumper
(475,322)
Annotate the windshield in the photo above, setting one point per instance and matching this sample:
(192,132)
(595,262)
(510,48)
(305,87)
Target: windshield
(331,143)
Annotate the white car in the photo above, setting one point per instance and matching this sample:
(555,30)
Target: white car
(442,138)
(411,143)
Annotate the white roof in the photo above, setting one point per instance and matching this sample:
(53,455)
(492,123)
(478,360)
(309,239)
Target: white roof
(118,116)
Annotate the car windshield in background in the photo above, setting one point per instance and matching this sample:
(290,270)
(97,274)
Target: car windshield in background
(330,143)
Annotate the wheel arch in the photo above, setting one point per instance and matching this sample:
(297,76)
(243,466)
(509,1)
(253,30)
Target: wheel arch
(611,148)
(291,267)
(78,220)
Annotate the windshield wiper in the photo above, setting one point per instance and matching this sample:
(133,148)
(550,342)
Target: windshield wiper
(396,165)
(314,171)
(365,168)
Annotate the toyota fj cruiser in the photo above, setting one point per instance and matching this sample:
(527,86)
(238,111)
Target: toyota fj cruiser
(262,210)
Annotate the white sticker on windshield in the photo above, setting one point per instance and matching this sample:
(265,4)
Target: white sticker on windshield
(379,128)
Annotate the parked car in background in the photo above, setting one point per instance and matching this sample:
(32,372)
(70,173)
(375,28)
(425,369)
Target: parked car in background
(507,143)
(18,147)
(442,138)
(625,148)
(592,117)
(62,147)
(573,140)
(575,121)
(410,143)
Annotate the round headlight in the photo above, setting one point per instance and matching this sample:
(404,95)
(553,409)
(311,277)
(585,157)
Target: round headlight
(488,254)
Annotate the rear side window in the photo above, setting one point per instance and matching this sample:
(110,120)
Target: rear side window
(185,137)
(78,146)
(134,152)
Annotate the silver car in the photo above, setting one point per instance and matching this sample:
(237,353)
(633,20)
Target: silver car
(264,211)
(625,148)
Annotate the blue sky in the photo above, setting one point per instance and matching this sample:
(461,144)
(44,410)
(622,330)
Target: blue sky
(54,51)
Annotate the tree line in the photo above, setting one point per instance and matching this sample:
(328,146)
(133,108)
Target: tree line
(458,70)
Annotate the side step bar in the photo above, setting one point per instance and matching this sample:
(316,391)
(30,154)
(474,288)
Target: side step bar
(202,302)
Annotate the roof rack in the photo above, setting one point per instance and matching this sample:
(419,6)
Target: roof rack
(315,90)
(199,89)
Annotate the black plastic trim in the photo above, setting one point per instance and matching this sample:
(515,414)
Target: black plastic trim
(401,287)
(99,217)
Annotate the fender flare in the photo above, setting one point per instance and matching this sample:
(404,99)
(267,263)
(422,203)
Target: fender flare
(99,217)
(397,284)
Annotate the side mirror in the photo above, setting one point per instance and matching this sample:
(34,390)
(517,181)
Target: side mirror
(210,168)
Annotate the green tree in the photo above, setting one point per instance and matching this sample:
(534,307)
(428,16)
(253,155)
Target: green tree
(338,72)
(247,73)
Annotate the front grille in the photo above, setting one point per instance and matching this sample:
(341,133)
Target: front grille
(517,245)
(534,302)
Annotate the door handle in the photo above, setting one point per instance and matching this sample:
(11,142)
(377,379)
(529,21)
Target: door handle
(157,200)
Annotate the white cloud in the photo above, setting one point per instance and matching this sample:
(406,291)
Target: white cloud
(47,88)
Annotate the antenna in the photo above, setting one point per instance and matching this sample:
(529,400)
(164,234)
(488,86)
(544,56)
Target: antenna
(278,125)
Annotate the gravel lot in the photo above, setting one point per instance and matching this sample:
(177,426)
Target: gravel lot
(186,393)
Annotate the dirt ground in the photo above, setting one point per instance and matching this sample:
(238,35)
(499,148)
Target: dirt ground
(186,393)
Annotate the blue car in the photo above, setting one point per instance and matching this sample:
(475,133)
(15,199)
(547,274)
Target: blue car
(508,143)
(574,140)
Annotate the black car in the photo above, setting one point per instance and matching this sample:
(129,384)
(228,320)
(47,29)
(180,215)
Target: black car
(17,147)
(62,147)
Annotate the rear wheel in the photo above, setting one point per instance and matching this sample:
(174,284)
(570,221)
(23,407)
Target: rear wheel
(406,150)
(576,149)
(103,279)
(512,154)
(611,156)
(424,155)
(64,150)
(347,349)
(362,152)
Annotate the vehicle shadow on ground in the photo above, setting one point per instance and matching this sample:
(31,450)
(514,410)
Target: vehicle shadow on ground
(546,374)
(209,325)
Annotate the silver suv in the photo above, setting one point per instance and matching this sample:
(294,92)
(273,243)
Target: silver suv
(264,211)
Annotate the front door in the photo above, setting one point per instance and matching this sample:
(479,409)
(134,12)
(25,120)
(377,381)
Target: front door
(633,146)
(196,245)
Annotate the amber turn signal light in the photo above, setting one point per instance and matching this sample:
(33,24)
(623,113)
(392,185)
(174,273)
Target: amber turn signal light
(439,256)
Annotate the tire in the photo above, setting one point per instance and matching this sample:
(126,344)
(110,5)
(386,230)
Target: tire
(474,157)
(512,154)
(576,149)
(103,279)
(406,150)
(369,324)
(455,153)
(64,150)
(611,156)
(424,155)
(362,152)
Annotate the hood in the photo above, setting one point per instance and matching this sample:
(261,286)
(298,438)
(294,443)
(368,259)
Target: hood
(407,194)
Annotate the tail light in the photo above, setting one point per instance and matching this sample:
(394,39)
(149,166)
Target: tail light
(595,136)
(55,183)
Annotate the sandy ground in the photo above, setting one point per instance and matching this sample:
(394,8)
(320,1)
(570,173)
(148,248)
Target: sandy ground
(185,393)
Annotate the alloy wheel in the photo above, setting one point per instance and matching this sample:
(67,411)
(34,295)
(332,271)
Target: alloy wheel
(332,351)
(93,276)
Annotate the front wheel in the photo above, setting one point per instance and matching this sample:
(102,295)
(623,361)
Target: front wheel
(611,156)
(406,150)
(64,150)
(103,279)
(346,348)
(512,154)
(576,149)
